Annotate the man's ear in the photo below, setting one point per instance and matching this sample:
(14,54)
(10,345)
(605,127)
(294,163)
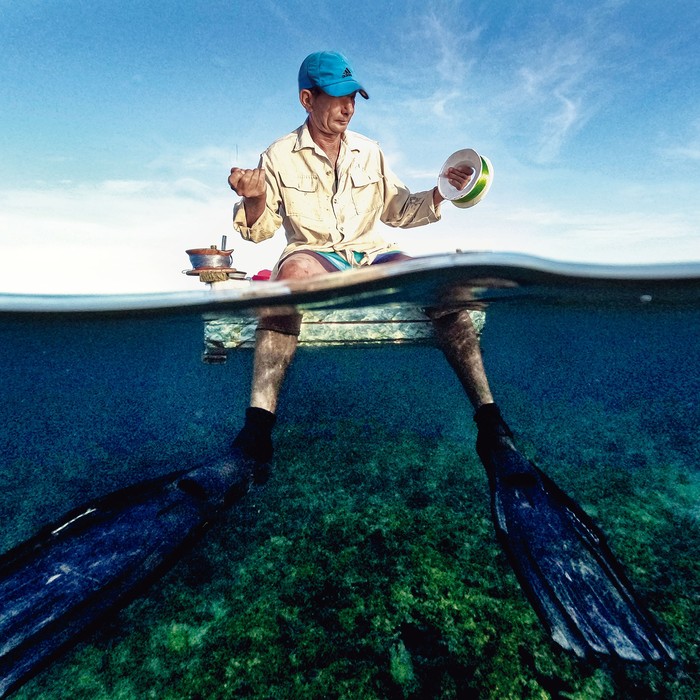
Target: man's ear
(306,98)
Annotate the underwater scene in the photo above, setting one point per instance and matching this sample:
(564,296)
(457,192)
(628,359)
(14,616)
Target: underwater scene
(367,566)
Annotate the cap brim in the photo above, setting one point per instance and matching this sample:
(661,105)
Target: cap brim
(346,87)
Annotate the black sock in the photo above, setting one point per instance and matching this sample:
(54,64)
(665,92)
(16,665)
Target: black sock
(255,438)
(490,422)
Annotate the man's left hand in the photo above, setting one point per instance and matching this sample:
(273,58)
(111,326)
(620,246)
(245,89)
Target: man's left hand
(459,177)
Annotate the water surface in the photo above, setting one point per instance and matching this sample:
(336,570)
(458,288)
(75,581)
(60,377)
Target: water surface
(367,567)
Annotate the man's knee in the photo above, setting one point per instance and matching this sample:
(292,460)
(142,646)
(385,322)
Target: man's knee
(299,266)
(295,266)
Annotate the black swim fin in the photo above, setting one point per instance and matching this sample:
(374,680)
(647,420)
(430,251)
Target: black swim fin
(58,584)
(561,559)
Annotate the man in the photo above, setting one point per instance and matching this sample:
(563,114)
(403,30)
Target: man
(328,188)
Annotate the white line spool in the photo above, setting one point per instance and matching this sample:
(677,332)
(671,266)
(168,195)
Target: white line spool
(479,183)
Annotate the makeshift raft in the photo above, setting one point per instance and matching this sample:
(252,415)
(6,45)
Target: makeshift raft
(390,323)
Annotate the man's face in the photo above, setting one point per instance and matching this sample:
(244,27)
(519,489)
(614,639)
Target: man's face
(329,115)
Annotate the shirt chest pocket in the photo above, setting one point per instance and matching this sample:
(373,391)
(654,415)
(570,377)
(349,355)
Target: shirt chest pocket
(300,195)
(366,191)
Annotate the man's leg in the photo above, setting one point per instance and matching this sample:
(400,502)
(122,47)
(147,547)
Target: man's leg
(460,343)
(277,336)
(275,345)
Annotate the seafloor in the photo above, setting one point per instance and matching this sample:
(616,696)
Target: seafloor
(367,567)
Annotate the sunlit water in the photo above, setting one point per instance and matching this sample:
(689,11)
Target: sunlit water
(367,566)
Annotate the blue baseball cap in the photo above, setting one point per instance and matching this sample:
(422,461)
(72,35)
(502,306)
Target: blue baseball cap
(331,72)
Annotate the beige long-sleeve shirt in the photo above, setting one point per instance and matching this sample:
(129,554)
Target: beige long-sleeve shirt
(333,210)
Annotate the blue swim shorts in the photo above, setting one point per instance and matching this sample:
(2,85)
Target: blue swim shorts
(332,261)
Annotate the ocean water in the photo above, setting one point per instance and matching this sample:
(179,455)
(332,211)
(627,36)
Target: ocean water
(367,567)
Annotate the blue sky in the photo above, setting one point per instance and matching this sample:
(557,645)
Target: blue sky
(120,119)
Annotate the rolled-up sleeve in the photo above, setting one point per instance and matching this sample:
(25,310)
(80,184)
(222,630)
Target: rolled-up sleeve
(402,208)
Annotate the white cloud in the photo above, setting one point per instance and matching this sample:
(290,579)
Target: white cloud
(689,152)
(200,160)
(535,89)
(688,149)
(116,237)
(590,235)
(129,237)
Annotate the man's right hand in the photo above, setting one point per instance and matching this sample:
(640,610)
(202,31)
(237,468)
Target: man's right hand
(248,183)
